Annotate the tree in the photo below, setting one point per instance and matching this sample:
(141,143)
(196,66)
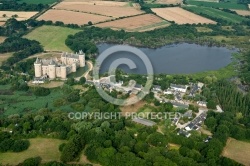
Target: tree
(4,15)
(20,145)
(211,104)
(82,80)
(35,161)
(90,23)
(211,122)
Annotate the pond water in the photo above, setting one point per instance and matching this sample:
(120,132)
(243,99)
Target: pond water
(173,59)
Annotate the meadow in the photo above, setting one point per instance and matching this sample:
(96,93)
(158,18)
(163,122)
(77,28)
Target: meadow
(237,150)
(216,13)
(232,4)
(52,38)
(47,149)
(23,102)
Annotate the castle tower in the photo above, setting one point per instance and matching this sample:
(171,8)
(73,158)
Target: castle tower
(63,71)
(81,58)
(52,70)
(38,68)
(73,67)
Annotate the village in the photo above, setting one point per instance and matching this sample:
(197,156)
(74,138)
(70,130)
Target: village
(193,120)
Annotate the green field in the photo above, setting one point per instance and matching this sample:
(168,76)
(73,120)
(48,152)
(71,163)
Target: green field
(52,38)
(216,13)
(22,102)
(225,5)
(47,149)
(37,1)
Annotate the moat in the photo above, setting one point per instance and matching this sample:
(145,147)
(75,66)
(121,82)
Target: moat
(173,59)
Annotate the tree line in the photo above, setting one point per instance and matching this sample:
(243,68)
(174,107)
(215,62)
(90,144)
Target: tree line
(13,5)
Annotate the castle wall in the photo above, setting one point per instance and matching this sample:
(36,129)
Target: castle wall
(45,70)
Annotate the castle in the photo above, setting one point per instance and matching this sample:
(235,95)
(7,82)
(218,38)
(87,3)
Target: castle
(59,68)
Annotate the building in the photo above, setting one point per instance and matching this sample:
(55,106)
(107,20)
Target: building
(157,88)
(143,121)
(59,67)
(183,132)
(179,88)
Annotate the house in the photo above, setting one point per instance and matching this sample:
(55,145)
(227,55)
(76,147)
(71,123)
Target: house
(168,92)
(202,103)
(179,88)
(183,132)
(200,85)
(189,127)
(138,87)
(180,105)
(157,88)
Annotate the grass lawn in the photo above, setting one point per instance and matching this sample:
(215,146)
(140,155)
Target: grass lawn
(37,1)
(52,38)
(237,150)
(232,4)
(174,146)
(216,13)
(47,149)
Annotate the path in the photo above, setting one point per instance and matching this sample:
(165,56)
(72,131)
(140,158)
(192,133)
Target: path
(86,74)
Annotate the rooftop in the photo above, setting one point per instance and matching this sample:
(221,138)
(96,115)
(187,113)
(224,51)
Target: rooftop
(145,122)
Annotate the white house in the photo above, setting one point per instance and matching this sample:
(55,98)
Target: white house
(179,88)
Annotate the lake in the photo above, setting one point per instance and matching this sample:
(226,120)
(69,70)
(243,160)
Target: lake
(181,58)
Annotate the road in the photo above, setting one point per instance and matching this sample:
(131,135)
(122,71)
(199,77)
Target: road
(86,74)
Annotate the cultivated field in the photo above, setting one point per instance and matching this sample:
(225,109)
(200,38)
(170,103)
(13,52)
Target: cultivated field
(137,23)
(2,23)
(243,12)
(20,15)
(100,9)
(52,37)
(237,150)
(181,16)
(47,149)
(2,38)
(215,13)
(70,17)
(103,3)
(231,4)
